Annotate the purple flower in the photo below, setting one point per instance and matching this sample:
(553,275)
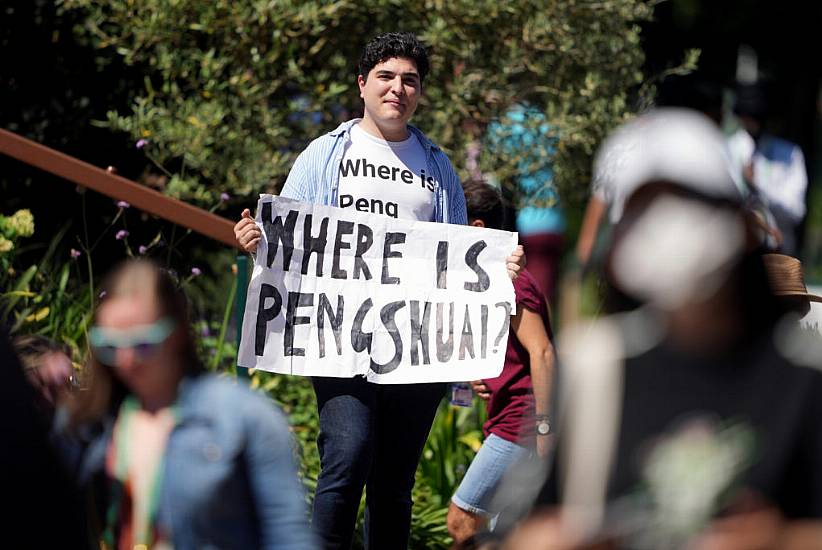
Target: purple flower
(224,196)
(204,332)
(196,271)
(122,234)
(123,204)
(141,143)
(142,249)
(74,253)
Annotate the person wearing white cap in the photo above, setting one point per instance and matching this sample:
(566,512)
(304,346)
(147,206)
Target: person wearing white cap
(683,420)
(631,154)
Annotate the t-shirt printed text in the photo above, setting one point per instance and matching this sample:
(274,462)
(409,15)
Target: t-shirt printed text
(388,178)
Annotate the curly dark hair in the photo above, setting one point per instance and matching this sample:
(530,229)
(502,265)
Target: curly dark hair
(394,44)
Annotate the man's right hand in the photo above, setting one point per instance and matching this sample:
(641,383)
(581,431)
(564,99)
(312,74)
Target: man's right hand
(247,233)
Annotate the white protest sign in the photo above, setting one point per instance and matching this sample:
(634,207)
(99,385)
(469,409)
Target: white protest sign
(337,292)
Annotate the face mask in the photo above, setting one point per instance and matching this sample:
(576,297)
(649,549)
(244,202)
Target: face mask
(677,251)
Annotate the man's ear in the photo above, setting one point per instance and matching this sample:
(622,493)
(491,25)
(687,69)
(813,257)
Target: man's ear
(476,222)
(361,82)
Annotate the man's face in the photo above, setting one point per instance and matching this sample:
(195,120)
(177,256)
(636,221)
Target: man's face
(391,91)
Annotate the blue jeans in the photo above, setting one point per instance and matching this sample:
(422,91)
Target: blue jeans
(370,435)
(476,491)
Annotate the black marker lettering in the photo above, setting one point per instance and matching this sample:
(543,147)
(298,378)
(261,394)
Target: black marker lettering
(390,240)
(336,320)
(314,245)
(419,332)
(360,340)
(467,337)
(387,314)
(484,334)
(295,300)
(506,323)
(483,282)
(343,228)
(442,264)
(265,314)
(277,233)
(365,238)
(445,348)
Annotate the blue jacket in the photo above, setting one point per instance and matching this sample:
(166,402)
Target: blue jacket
(315,176)
(230,479)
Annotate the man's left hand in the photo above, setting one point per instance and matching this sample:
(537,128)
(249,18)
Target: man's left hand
(516,262)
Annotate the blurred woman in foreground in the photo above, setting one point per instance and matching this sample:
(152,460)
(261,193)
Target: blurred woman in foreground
(184,459)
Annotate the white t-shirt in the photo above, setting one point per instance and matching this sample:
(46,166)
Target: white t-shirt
(386,177)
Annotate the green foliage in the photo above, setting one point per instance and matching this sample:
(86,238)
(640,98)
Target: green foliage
(812,249)
(235,89)
(455,438)
(50,288)
(42,298)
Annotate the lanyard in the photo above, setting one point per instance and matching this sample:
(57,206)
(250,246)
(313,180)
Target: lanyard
(145,515)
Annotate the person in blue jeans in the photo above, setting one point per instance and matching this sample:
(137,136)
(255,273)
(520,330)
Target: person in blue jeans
(371,435)
(518,400)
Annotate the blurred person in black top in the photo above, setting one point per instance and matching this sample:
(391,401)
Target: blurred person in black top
(690,417)
(42,508)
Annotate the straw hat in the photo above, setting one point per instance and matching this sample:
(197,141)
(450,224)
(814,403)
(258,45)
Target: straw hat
(786,280)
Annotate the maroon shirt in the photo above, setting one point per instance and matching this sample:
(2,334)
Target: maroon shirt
(511,407)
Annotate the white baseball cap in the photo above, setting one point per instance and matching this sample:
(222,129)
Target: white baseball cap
(675,145)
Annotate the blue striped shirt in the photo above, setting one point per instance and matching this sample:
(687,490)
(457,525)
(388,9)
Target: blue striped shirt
(315,176)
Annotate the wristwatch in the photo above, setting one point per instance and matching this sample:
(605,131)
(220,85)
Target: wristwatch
(543,426)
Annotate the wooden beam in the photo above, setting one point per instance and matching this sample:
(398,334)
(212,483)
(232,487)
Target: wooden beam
(117,187)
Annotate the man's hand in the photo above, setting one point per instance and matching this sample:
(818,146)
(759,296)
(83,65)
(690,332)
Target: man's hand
(247,233)
(481,389)
(516,262)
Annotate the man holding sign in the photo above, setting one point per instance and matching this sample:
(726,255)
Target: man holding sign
(369,306)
